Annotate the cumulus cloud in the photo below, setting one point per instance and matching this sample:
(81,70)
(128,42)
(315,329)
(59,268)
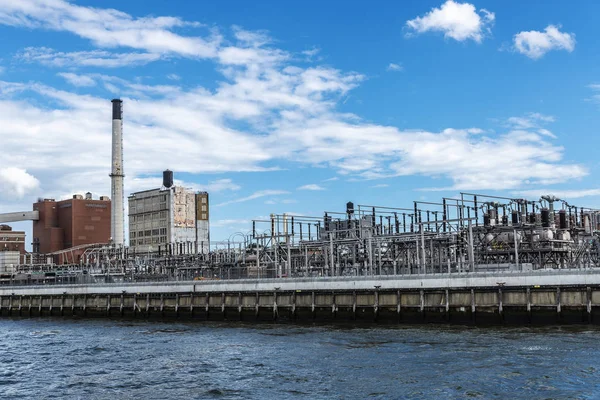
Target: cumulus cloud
(16,183)
(77,80)
(535,44)
(311,186)
(458,21)
(265,109)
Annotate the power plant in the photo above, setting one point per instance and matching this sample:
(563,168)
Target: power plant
(472,252)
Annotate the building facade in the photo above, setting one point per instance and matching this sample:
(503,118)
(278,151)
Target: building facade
(173,221)
(71,223)
(11,240)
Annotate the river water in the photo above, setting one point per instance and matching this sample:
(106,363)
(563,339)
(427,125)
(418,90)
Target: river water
(108,359)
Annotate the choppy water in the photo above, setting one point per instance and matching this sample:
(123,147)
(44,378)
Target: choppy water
(102,359)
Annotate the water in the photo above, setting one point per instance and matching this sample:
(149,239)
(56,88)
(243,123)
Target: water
(107,359)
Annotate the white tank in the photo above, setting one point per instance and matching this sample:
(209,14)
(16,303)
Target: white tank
(564,235)
(547,234)
(509,237)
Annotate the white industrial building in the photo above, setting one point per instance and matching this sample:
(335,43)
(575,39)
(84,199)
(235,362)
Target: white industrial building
(172,220)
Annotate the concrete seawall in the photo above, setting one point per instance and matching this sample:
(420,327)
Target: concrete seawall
(513,298)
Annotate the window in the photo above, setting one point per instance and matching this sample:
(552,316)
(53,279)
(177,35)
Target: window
(132,235)
(204,200)
(203,208)
(148,233)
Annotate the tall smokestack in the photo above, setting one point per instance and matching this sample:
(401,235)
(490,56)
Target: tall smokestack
(117,231)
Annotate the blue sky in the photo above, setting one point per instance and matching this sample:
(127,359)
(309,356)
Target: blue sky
(301,106)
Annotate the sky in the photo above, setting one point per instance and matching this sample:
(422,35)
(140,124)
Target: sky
(299,107)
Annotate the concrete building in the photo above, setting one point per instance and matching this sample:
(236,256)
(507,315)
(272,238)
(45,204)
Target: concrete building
(8,261)
(11,240)
(71,223)
(173,220)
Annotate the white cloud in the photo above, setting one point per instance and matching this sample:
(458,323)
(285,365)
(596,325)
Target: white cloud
(395,67)
(535,44)
(94,58)
(77,80)
(380,185)
(16,183)
(2,69)
(335,178)
(108,27)
(459,21)
(562,194)
(532,121)
(255,195)
(311,53)
(173,77)
(311,186)
(262,111)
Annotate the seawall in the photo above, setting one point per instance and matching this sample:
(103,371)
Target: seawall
(540,297)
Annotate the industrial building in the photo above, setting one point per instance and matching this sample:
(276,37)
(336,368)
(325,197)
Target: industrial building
(71,223)
(11,240)
(12,248)
(171,219)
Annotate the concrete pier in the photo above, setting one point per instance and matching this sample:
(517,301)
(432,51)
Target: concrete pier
(514,298)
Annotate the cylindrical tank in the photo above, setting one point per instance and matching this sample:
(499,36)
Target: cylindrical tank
(562,219)
(167,178)
(88,196)
(505,220)
(515,217)
(349,208)
(545,218)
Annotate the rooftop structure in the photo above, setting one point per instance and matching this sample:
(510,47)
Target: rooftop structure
(169,220)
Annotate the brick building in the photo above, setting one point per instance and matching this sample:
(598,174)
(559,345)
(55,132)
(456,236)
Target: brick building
(11,240)
(71,223)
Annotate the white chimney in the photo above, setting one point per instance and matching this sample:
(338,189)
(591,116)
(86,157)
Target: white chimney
(117,230)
